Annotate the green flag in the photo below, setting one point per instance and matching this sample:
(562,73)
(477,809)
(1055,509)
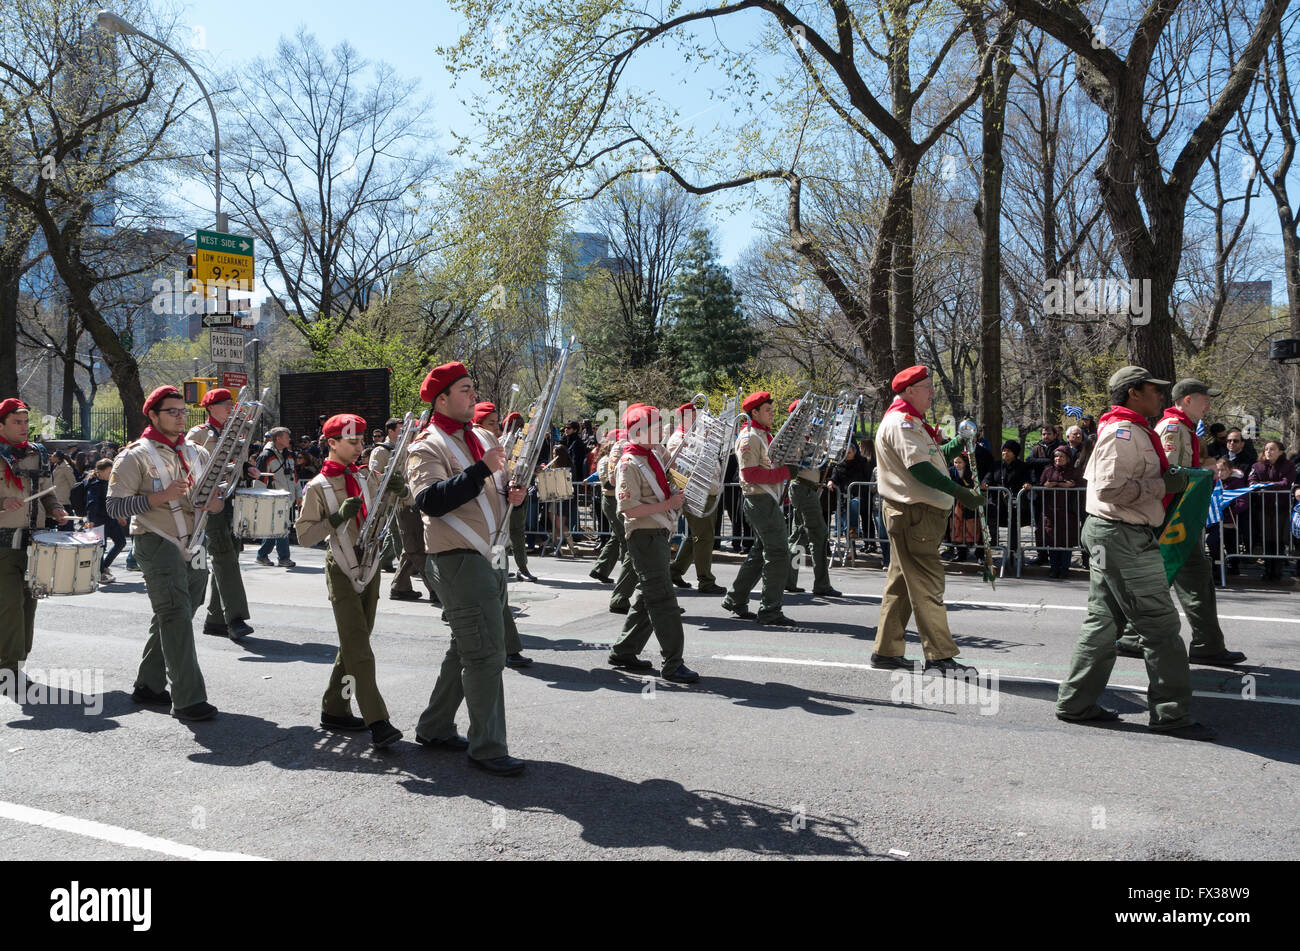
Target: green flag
(1185,521)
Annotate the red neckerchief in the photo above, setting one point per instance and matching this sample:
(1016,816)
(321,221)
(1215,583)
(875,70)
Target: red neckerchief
(1126,414)
(330,469)
(901,405)
(214,424)
(1174,412)
(655,465)
(10,476)
(760,426)
(153,434)
(452,426)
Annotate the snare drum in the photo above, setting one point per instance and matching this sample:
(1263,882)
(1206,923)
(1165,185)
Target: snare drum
(262,513)
(60,563)
(554,485)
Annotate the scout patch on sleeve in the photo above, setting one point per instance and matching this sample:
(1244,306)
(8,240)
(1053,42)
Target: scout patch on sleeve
(1123,432)
(906,423)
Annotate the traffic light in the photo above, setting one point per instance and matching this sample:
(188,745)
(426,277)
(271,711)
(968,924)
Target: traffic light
(192,283)
(194,390)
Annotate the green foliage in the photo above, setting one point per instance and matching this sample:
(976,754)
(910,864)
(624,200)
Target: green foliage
(709,336)
(355,348)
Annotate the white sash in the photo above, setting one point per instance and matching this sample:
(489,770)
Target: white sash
(769,488)
(182,537)
(482,545)
(341,545)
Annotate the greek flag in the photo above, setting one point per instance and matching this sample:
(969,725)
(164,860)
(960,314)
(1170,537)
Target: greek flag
(1074,411)
(1221,498)
(1200,427)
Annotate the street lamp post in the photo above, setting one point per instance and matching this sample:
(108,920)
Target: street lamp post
(112,23)
(256,344)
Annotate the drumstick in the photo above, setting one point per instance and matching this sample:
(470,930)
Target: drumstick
(37,495)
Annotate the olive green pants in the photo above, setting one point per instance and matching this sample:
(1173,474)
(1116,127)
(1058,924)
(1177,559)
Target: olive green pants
(1194,585)
(612,552)
(474,596)
(228,602)
(625,584)
(17,609)
(354,665)
(1126,582)
(175,592)
(654,606)
(809,535)
(410,531)
(769,558)
(697,547)
(518,544)
(914,583)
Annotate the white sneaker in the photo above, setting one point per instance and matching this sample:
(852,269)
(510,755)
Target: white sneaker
(106,577)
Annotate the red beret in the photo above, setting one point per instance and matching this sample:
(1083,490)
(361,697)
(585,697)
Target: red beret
(483,410)
(344,424)
(906,378)
(754,400)
(643,420)
(219,395)
(685,407)
(440,378)
(512,417)
(793,406)
(160,394)
(11,405)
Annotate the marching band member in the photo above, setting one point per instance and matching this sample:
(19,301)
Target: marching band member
(228,611)
(761,484)
(486,417)
(150,484)
(611,553)
(410,529)
(649,505)
(697,545)
(334,506)
(380,453)
(454,470)
(620,599)
(810,531)
(518,544)
(24,464)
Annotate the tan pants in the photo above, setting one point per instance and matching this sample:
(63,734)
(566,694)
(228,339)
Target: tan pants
(915,581)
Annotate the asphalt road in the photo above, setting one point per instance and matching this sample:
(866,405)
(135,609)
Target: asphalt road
(788,747)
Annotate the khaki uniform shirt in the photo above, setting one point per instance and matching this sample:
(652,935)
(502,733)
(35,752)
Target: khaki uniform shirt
(901,442)
(1123,473)
(313,525)
(605,472)
(473,525)
(203,435)
(133,474)
(29,474)
(1177,440)
(64,480)
(811,475)
(636,485)
(751,452)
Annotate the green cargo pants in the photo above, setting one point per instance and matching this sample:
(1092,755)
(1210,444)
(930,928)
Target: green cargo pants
(17,609)
(612,552)
(1194,585)
(1126,582)
(473,594)
(227,603)
(624,584)
(175,592)
(518,544)
(354,665)
(809,535)
(654,606)
(697,547)
(770,558)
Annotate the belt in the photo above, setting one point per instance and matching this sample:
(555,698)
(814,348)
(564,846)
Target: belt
(1116,521)
(455,551)
(7,537)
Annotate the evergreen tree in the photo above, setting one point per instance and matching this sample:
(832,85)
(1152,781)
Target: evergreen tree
(710,336)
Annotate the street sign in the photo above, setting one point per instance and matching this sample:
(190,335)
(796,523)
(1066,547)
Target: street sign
(221,320)
(227,347)
(223,260)
(233,381)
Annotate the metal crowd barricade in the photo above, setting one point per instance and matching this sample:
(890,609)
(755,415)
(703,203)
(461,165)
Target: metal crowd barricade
(1047,505)
(848,531)
(1261,530)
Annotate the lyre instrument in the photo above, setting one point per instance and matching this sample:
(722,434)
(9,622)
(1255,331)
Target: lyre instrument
(374,530)
(702,455)
(227,458)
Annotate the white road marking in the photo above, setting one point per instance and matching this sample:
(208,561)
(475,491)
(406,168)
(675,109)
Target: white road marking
(1082,607)
(803,662)
(116,834)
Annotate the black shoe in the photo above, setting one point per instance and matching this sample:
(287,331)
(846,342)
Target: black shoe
(239,628)
(145,695)
(195,711)
(744,613)
(287,563)
(682,675)
(1125,651)
(411,595)
(619,608)
(263,560)
(1193,731)
(680,582)
(827,593)
(383,733)
(629,663)
(949,666)
(603,579)
(777,620)
(455,743)
(330,722)
(794,589)
(216,630)
(884,662)
(388,569)
(501,766)
(680,609)
(712,589)
(1225,658)
(518,660)
(527,574)
(1094,714)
